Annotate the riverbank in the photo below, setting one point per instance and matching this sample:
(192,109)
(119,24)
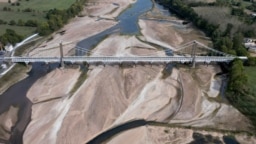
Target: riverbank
(16,74)
(177,135)
(114,94)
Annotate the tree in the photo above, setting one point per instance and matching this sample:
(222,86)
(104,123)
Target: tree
(10,36)
(20,22)
(228,30)
(238,79)
(238,41)
(43,28)
(31,23)
(5,9)
(12,22)
(251,61)
(2,22)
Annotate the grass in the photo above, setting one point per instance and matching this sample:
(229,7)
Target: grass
(80,80)
(24,31)
(28,46)
(210,129)
(246,103)
(251,72)
(40,5)
(16,74)
(222,16)
(39,10)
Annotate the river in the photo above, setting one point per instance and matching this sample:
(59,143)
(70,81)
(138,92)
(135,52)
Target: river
(16,95)
(127,24)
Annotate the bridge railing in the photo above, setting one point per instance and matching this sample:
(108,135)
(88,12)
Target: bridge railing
(151,59)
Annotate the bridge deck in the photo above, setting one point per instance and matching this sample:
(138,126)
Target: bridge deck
(112,59)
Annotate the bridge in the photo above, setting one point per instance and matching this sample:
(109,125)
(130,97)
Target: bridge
(192,52)
(130,59)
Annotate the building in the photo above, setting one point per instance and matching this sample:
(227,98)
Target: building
(250,44)
(8,47)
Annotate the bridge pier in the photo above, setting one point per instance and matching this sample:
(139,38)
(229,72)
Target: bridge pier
(193,63)
(26,63)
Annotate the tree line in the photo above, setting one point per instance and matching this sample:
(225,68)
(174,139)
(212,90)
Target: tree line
(20,22)
(10,36)
(238,91)
(55,19)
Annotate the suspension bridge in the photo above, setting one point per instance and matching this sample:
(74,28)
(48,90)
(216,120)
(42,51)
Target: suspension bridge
(192,52)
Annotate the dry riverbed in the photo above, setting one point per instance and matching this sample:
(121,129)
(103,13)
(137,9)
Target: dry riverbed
(113,95)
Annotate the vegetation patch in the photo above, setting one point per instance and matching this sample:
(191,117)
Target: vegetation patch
(251,73)
(80,80)
(30,16)
(204,139)
(223,131)
(239,93)
(16,74)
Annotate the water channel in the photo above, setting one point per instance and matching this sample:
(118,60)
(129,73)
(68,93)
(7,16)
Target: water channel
(127,24)
(16,95)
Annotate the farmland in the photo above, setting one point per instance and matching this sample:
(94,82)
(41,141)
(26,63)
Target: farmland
(22,11)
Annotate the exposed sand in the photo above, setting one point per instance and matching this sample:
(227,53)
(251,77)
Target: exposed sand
(79,29)
(107,8)
(83,27)
(112,95)
(169,34)
(56,84)
(97,109)
(8,119)
(199,110)
(107,94)
(47,115)
(165,135)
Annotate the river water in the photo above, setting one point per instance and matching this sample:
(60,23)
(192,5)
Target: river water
(127,24)
(16,95)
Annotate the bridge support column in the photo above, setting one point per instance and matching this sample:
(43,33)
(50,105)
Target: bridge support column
(61,56)
(193,63)
(193,55)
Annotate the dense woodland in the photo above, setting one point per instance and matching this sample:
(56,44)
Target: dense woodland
(57,18)
(238,91)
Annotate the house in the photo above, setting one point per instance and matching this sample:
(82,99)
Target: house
(250,44)
(253,14)
(8,47)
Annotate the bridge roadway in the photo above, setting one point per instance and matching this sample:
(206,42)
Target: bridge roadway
(115,59)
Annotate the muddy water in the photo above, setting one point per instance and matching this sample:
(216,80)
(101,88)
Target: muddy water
(16,96)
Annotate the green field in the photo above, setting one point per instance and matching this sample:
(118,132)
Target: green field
(40,5)
(25,31)
(39,8)
(251,72)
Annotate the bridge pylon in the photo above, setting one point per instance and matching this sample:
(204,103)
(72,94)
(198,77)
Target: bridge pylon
(193,54)
(61,56)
